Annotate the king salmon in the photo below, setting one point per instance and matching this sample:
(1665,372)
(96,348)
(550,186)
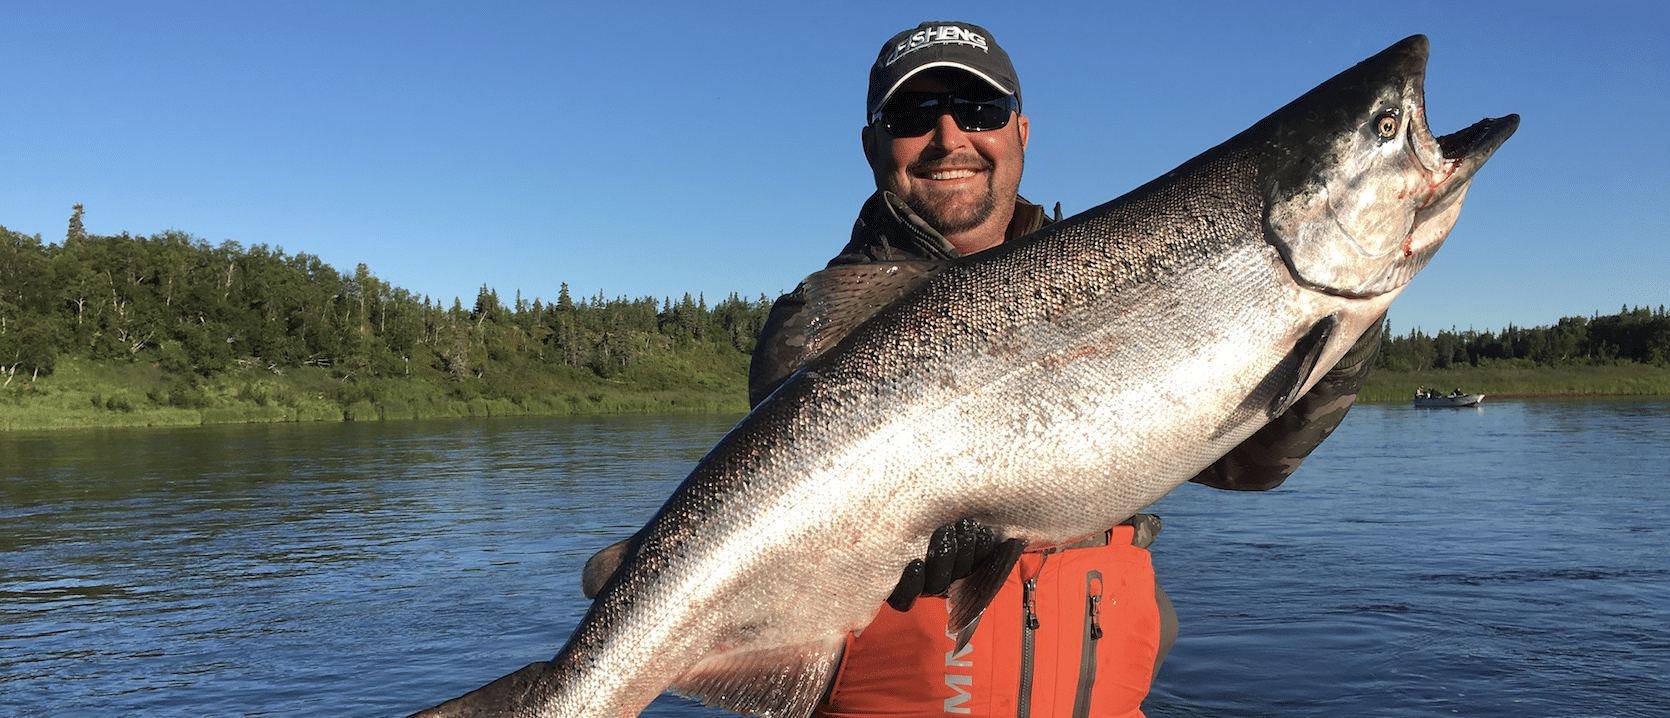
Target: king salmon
(1048,388)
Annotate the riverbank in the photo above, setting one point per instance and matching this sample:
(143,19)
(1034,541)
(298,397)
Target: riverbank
(1509,381)
(82,394)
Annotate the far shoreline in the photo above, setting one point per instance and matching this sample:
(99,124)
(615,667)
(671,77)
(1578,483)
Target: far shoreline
(75,401)
(1505,380)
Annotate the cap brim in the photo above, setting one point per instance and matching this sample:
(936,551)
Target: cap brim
(888,95)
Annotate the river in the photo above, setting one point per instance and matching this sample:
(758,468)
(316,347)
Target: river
(1509,560)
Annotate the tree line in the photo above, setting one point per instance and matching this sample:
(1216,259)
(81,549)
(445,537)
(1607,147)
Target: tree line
(192,308)
(189,307)
(1639,335)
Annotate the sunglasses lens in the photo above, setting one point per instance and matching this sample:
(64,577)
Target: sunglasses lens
(981,116)
(913,122)
(915,117)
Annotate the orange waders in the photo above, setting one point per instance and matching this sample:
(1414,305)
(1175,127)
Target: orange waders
(1073,632)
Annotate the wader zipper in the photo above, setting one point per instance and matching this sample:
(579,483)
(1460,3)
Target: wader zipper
(1092,634)
(1029,627)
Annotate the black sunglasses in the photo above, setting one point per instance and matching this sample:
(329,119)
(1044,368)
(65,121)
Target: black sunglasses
(915,114)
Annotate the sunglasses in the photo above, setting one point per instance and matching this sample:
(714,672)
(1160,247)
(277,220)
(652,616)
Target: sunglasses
(913,115)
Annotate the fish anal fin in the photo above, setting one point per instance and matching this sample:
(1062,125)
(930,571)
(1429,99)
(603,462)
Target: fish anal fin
(971,595)
(783,682)
(844,296)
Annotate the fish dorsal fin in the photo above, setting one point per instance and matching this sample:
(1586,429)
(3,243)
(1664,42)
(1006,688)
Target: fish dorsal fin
(784,682)
(971,595)
(844,296)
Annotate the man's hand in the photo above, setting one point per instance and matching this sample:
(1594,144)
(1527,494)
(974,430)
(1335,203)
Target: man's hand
(953,551)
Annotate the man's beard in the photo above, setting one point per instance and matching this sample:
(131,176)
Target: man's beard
(954,219)
(948,218)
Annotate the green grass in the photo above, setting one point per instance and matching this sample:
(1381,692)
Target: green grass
(85,394)
(1518,379)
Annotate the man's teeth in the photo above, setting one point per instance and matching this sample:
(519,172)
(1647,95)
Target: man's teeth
(951,174)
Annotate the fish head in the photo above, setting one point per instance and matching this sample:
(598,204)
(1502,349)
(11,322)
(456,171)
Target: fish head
(1359,193)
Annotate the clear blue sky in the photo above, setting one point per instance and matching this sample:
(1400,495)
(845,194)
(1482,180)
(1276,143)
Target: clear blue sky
(661,148)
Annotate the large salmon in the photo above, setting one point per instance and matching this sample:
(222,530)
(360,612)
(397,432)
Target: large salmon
(1048,388)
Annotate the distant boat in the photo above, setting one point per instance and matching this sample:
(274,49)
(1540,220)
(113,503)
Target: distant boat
(1450,400)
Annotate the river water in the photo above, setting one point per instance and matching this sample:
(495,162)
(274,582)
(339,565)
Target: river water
(1510,560)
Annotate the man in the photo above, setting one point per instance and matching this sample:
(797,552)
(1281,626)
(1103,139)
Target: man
(1075,629)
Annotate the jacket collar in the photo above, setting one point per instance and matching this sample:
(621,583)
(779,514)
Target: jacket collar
(891,231)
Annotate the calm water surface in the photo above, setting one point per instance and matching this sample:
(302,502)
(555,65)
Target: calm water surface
(1507,561)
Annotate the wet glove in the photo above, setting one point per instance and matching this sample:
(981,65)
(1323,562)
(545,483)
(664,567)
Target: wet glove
(953,552)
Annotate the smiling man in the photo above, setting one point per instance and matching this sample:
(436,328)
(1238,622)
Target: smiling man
(941,139)
(946,140)
(1074,629)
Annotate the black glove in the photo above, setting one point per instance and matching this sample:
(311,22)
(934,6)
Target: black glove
(953,551)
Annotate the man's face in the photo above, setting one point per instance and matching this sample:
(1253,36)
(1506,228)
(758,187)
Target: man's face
(961,183)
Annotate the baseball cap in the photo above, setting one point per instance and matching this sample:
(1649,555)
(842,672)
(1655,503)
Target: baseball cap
(939,44)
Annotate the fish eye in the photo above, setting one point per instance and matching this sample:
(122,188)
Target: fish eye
(1386,124)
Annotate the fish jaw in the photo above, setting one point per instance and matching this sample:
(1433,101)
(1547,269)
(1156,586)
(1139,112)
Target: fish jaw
(1361,194)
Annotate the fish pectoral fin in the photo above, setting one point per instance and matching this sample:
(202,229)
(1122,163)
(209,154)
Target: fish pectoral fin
(844,296)
(1277,391)
(1300,365)
(971,595)
(784,682)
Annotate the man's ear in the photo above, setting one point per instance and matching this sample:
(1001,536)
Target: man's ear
(868,137)
(1024,127)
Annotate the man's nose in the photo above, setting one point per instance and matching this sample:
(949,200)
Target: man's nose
(946,133)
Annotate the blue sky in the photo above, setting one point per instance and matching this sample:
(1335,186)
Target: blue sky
(662,148)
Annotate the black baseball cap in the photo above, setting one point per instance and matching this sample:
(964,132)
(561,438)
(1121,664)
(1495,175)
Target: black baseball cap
(939,44)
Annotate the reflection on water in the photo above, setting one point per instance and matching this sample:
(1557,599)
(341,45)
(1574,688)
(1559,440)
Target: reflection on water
(1504,561)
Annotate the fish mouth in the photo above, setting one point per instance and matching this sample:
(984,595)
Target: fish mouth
(1473,145)
(1453,158)
(1450,160)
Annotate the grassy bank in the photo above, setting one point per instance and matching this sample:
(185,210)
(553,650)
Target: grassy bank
(1507,379)
(84,394)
